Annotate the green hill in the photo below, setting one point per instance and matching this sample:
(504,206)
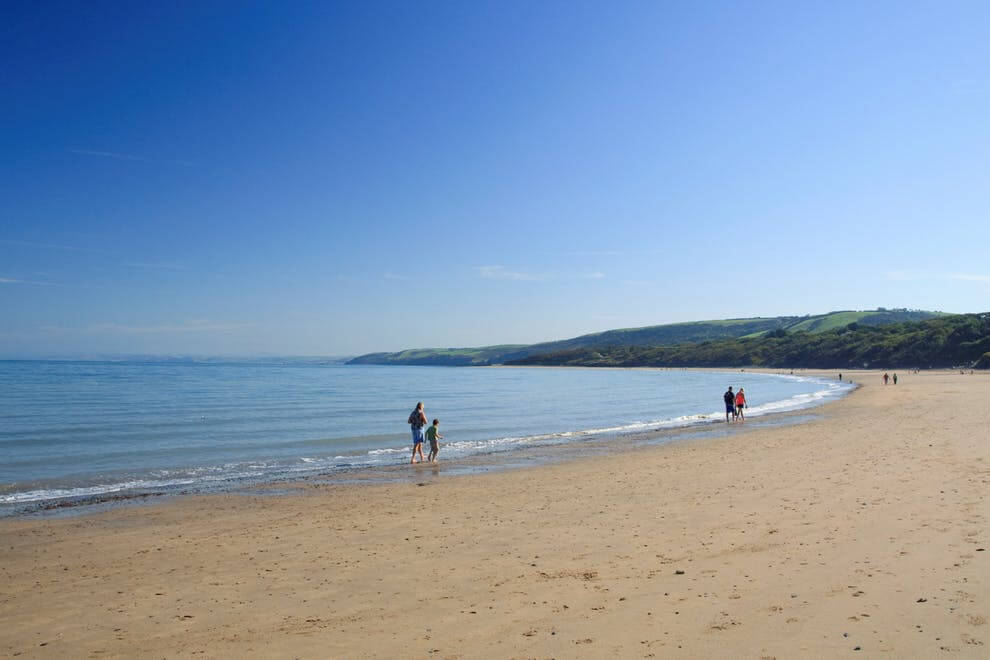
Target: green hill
(446,357)
(655,335)
(961,340)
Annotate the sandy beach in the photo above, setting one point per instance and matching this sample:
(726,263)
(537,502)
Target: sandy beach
(863,533)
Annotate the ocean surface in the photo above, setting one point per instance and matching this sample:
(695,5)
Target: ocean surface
(80,431)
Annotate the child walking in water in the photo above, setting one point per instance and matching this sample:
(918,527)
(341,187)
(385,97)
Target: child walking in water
(433,435)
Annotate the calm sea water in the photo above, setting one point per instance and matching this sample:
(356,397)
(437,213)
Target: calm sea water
(77,430)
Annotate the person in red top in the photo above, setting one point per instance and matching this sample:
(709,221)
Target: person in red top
(740,404)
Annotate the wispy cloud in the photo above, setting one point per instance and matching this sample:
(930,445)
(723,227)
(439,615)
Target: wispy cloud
(614,252)
(968,277)
(109,154)
(597,253)
(904,276)
(155,265)
(163,265)
(920,276)
(131,157)
(52,246)
(192,326)
(502,273)
(13,280)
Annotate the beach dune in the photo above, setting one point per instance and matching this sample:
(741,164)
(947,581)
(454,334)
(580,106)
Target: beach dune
(862,531)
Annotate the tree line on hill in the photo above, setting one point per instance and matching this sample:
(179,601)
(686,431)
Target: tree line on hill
(669,334)
(961,340)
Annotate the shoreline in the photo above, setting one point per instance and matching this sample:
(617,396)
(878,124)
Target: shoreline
(535,453)
(521,458)
(867,527)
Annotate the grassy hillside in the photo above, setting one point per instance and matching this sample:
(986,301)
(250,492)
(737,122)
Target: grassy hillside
(447,357)
(656,335)
(837,320)
(947,341)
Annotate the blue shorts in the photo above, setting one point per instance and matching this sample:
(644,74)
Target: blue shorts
(730,408)
(417,435)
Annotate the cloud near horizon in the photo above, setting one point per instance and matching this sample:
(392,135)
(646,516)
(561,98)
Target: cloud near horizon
(917,276)
(196,325)
(501,273)
(968,277)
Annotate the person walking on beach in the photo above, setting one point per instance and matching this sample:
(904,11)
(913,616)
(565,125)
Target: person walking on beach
(417,420)
(730,404)
(433,435)
(885,378)
(740,404)
(895,379)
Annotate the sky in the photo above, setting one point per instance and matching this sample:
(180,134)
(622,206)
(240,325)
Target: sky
(267,178)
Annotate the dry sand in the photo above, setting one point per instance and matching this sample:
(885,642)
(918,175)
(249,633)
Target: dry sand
(863,530)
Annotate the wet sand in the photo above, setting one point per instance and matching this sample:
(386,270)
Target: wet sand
(863,533)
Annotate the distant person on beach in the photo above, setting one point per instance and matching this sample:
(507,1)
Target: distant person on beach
(417,420)
(840,378)
(433,435)
(895,379)
(730,404)
(740,404)
(885,378)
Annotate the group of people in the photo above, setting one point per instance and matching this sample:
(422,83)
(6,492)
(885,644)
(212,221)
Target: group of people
(887,378)
(417,420)
(734,404)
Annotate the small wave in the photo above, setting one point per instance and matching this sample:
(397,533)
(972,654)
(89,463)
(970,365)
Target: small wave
(193,478)
(389,450)
(87,491)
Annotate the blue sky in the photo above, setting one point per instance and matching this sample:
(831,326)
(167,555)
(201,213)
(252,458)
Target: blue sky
(337,178)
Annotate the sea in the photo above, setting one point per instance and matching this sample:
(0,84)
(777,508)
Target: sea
(79,432)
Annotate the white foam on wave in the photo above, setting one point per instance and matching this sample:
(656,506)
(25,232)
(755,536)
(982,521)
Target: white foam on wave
(42,494)
(389,450)
(193,477)
(800,401)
